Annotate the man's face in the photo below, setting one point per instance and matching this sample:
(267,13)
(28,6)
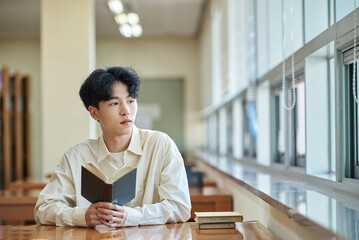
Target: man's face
(117,115)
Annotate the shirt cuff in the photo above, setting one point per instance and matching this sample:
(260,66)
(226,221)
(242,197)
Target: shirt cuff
(133,217)
(79,217)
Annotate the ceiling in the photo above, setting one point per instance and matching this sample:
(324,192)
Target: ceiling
(159,18)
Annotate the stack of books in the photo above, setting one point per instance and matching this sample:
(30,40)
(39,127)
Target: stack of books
(217,220)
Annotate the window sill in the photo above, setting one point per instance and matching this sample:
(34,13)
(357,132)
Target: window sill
(306,199)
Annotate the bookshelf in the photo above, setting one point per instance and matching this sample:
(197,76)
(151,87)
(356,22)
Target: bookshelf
(26,125)
(15,123)
(6,131)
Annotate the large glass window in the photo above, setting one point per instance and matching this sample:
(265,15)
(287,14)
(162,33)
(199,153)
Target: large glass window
(217,56)
(279,121)
(229,127)
(332,169)
(213,132)
(249,141)
(289,125)
(293,26)
(315,12)
(344,7)
(299,123)
(352,161)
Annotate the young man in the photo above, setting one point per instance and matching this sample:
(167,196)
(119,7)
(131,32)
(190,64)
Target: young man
(162,194)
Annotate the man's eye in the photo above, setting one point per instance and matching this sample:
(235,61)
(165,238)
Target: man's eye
(115,103)
(131,101)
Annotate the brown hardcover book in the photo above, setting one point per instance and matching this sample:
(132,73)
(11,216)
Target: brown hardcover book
(120,188)
(215,234)
(225,225)
(217,217)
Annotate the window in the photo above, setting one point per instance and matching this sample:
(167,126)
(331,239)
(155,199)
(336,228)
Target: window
(289,125)
(213,132)
(249,141)
(319,107)
(351,123)
(229,127)
(315,12)
(217,86)
(299,124)
(332,169)
(279,122)
(344,8)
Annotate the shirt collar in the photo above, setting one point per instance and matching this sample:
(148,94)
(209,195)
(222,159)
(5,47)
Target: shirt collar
(135,143)
(102,150)
(135,146)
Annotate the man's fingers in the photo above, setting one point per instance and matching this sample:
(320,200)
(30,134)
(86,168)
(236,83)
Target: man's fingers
(111,212)
(117,223)
(105,213)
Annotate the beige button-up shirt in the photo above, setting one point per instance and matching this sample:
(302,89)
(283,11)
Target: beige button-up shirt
(162,194)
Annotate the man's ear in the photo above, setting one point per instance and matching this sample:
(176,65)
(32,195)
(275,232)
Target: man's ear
(93,112)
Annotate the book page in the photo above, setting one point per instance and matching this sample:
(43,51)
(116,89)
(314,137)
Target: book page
(217,214)
(119,173)
(95,171)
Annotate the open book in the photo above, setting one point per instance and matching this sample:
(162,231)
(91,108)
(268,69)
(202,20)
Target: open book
(120,188)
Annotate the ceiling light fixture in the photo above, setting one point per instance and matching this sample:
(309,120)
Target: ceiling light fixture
(136,30)
(128,22)
(115,6)
(133,18)
(126,30)
(121,19)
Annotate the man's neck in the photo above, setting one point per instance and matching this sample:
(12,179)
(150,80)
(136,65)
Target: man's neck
(117,143)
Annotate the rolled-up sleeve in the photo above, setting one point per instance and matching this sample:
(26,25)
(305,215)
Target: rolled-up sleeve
(56,204)
(174,201)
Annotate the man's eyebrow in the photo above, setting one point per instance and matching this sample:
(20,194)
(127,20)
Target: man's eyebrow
(113,97)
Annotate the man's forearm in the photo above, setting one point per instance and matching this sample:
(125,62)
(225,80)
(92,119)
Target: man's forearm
(158,213)
(60,215)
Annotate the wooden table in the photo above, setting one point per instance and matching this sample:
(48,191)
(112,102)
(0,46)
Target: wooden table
(184,231)
(17,204)
(210,199)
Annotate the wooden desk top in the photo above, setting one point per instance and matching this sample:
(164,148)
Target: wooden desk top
(183,231)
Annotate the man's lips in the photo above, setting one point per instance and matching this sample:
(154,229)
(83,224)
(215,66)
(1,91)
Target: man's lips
(126,121)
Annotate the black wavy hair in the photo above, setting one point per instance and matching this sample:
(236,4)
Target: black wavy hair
(98,86)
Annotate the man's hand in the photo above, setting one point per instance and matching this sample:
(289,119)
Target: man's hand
(105,213)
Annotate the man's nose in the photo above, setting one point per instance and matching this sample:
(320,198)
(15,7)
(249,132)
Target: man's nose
(125,110)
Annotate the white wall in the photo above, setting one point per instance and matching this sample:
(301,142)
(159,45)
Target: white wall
(162,58)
